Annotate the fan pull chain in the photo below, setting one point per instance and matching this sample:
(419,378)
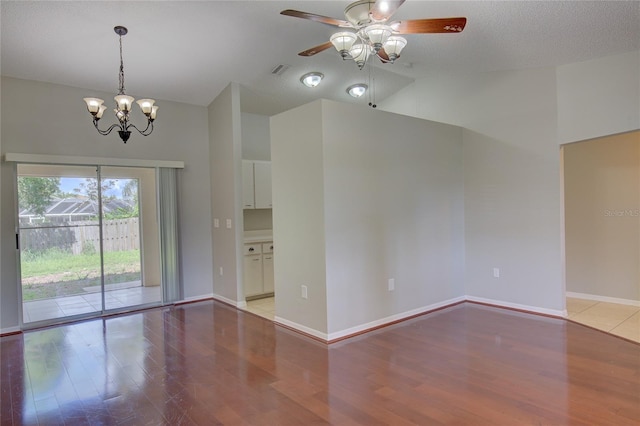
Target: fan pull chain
(372,87)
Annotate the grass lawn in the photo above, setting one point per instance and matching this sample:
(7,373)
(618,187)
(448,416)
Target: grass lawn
(56,273)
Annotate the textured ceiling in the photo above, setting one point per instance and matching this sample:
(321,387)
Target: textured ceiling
(189,51)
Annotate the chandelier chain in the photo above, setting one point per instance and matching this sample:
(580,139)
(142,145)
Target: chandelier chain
(121,74)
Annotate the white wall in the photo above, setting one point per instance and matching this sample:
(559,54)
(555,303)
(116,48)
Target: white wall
(225,148)
(599,97)
(512,201)
(602,204)
(298,217)
(393,203)
(361,197)
(255,137)
(43,118)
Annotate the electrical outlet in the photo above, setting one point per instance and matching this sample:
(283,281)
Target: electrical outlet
(392,284)
(303,291)
(496,272)
(221,271)
(228,223)
(216,223)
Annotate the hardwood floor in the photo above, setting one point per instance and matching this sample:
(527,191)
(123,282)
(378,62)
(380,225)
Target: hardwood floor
(207,363)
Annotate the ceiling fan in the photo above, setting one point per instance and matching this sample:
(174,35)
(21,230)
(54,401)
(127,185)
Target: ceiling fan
(367,31)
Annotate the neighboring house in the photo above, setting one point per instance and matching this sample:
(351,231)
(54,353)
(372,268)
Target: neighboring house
(73,210)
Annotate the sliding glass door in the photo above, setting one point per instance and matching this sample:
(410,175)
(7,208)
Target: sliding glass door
(81,240)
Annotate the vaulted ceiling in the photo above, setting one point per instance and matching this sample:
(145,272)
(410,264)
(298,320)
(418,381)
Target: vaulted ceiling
(188,51)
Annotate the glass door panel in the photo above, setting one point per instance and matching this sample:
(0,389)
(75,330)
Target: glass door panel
(128,215)
(59,242)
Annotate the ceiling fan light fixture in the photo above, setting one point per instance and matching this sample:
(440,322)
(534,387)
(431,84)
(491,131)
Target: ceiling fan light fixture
(393,46)
(357,90)
(343,41)
(312,79)
(378,34)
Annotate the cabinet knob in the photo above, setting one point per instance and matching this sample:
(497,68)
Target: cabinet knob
(271,248)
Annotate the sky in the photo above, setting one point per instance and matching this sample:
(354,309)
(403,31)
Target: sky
(68,185)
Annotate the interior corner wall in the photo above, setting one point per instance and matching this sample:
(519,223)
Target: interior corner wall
(298,218)
(512,202)
(394,209)
(361,196)
(598,98)
(225,152)
(602,205)
(63,127)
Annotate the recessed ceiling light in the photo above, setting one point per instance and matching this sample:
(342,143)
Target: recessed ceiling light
(311,79)
(357,90)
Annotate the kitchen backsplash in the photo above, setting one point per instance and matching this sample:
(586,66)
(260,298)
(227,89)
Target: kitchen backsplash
(257,219)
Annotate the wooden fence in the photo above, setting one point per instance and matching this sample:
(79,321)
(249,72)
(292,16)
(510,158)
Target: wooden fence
(84,236)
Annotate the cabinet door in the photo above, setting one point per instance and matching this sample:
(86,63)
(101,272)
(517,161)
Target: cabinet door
(262,182)
(247,185)
(253,275)
(267,273)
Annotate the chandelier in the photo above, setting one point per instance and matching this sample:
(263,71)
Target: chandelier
(123,105)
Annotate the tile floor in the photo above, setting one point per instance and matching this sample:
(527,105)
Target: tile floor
(621,320)
(265,308)
(116,297)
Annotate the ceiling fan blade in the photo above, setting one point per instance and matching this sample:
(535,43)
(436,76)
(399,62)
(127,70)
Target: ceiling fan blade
(384,58)
(424,26)
(383,9)
(317,18)
(316,49)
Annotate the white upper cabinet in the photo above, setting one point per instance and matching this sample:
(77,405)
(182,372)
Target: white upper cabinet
(262,184)
(256,184)
(248,201)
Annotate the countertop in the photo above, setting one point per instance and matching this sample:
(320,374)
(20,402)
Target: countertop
(258,236)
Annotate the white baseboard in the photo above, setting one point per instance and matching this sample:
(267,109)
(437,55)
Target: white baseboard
(302,328)
(393,318)
(238,304)
(597,298)
(534,309)
(9,330)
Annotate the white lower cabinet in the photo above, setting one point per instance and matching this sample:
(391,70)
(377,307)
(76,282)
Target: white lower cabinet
(258,269)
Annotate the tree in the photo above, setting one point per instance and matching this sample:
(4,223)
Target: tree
(37,193)
(89,188)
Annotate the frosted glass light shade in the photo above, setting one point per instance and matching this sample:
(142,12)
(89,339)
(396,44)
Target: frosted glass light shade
(360,52)
(378,34)
(343,41)
(154,111)
(124,102)
(393,46)
(357,90)
(93,105)
(100,112)
(311,79)
(146,105)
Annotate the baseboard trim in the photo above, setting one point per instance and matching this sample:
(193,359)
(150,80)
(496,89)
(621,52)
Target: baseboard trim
(518,307)
(299,328)
(393,319)
(367,327)
(607,299)
(240,305)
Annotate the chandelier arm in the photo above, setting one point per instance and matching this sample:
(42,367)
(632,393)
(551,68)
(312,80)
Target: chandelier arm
(143,132)
(106,132)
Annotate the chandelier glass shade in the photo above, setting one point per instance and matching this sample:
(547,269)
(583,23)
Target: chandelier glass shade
(124,103)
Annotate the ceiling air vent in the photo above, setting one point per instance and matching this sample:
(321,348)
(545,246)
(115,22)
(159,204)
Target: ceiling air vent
(280,69)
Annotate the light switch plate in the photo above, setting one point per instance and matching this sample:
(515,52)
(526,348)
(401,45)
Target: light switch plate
(216,223)
(228,223)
